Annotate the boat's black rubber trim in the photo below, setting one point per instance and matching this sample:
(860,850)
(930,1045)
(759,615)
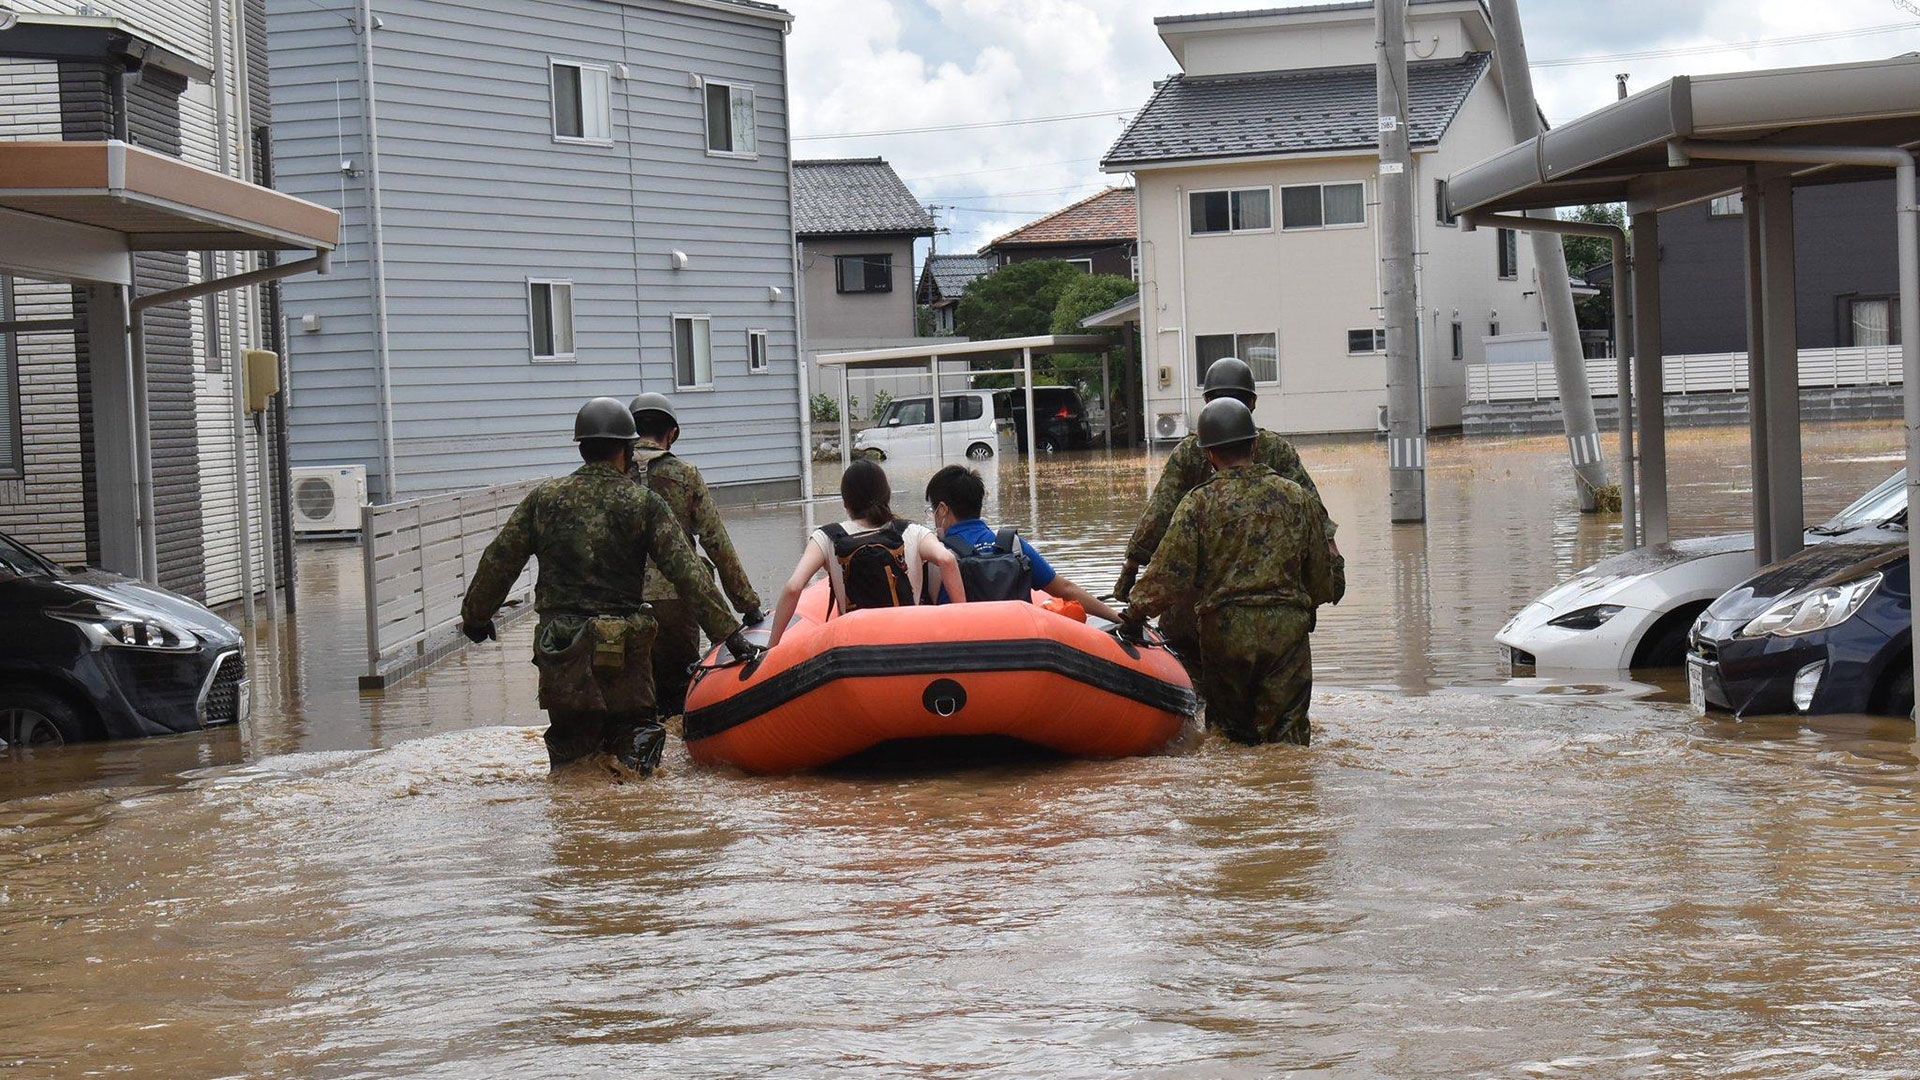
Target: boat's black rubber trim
(935,658)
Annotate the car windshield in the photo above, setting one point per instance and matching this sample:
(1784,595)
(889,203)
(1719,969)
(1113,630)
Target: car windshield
(22,561)
(1883,505)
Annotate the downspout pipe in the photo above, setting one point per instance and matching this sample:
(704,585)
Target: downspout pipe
(1622,334)
(1907,224)
(377,251)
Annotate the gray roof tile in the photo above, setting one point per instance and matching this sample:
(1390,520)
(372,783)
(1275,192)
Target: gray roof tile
(854,197)
(952,274)
(1288,112)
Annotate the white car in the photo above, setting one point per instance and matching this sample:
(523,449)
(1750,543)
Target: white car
(906,429)
(1634,610)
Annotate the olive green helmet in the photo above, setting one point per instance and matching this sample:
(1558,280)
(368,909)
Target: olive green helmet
(651,402)
(1226,421)
(604,418)
(1228,375)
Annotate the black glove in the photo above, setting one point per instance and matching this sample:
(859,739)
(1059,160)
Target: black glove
(478,632)
(1133,631)
(1121,588)
(754,617)
(741,648)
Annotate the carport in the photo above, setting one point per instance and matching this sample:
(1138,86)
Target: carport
(1758,134)
(77,212)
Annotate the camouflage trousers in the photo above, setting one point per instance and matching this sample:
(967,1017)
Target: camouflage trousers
(675,650)
(634,738)
(1181,628)
(1258,673)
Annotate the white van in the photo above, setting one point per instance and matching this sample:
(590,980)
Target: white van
(906,430)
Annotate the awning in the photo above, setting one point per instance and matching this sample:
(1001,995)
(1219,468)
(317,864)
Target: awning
(1620,153)
(74,210)
(1115,317)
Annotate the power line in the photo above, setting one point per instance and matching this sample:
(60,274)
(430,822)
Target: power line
(1001,169)
(966,127)
(1731,46)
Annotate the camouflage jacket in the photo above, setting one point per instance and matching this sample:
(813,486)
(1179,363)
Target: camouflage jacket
(1188,468)
(593,533)
(685,492)
(1247,536)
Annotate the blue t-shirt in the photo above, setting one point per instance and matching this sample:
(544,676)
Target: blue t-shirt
(978,533)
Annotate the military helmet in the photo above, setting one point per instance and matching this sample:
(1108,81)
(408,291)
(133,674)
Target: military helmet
(604,418)
(1228,375)
(1225,421)
(651,402)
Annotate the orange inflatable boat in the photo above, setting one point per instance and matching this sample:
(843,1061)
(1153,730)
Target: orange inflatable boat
(838,686)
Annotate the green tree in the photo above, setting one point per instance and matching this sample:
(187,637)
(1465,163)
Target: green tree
(1586,252)
(1087,295)
(1014,301)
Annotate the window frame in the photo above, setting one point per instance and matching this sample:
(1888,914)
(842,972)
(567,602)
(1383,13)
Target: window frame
(839,279)
(534,354)
(605,71)
(1506,254)
(1231,229)
(1087,264)
(759,355)
(1238,353)
(1848,325)
(706,120)
(679,317)
(1377,337)
(1321,187)
(1493,328)
(1459,340)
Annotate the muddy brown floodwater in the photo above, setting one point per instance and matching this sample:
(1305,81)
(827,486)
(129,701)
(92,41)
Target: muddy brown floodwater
(1464,876)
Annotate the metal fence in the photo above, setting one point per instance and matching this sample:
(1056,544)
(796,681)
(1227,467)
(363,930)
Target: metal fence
(1700,373)
(420,555)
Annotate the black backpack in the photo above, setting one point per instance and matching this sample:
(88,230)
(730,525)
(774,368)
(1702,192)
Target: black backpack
(996,571)
(873,566)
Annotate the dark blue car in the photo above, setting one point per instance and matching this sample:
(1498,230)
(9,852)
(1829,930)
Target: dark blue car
(1828,630)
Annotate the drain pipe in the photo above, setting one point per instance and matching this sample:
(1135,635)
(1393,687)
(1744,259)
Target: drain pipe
(1622,336)
(376,248)
(1907,219)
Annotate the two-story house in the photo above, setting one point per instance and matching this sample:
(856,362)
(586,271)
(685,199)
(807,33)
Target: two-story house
(1257,167)
(1097,234)
(944,280)
(544,202)
(855,225)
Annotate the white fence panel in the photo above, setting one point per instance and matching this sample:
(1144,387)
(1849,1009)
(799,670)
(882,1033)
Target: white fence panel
(420,556)
(1697,373)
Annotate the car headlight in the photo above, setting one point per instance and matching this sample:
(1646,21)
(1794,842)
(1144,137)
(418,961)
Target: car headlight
(1588,618)
(1811,610)
(127,628)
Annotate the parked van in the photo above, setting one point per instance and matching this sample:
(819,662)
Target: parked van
(906,430)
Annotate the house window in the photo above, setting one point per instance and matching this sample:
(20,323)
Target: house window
(1440,205)
(1493,328)
(1239,210)
(550,310)
(1459,342)
(1260,351)
(863,273)
(1728,205)
(730,120)
(1873,321)
(10,456)
(1133,267)
(756,350)
(1085,266)
(1509,244)
(1367,341)
(582,106)
(1319,206)
(693,352)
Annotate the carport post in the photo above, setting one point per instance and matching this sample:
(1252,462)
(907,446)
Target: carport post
(1033,442)
(1106,394)
(846,419)
(1757,377)
(1782,374)
(143,447)
(1649,378)
(939,426)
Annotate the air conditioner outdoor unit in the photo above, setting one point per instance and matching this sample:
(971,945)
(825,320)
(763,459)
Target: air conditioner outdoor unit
(327,499)
(1169,426)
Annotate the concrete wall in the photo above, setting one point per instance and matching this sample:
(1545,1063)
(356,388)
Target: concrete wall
(837,316)
(478,197)
(1844,247)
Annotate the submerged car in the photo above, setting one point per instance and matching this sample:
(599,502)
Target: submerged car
(1635,610)
(1829,630)
(87,655)
(1060,422)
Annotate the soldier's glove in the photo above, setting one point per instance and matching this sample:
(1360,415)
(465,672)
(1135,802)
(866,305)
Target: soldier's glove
(741,648)
(1121,588)
(754,617)
(479,632)
(1133,631)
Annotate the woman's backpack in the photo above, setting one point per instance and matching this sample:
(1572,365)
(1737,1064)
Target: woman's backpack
(996,571)
(873,566)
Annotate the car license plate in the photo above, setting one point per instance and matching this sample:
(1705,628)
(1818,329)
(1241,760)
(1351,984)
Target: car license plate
(1697,684)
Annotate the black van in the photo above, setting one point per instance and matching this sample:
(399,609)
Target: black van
(1061,425)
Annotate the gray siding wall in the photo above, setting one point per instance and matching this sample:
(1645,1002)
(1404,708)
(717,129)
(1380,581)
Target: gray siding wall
(478,198)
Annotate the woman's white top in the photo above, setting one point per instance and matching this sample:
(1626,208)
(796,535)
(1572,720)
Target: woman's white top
(912,536)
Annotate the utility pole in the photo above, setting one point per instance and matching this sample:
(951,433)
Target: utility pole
(1550,263)
(1406,407)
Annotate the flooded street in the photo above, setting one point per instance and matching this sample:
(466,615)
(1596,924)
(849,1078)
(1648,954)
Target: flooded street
(1466,875)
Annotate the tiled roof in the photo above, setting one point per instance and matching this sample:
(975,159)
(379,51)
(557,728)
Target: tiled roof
(951,274)
(854,197)
(1106,217)
(1288,112)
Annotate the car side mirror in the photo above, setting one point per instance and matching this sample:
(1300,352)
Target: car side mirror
(893,421)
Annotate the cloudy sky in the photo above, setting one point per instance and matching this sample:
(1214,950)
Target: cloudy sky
(864,66)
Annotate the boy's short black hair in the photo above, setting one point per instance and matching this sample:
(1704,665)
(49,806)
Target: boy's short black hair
(654,424)
(594,450)
(960,488)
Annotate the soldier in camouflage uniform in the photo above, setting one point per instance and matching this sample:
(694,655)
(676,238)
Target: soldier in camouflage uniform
(594,532)
(1187,468)
(1246,551)
(684,491)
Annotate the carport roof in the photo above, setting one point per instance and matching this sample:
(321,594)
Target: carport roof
(1619,153)
(156,202)
(894,357)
